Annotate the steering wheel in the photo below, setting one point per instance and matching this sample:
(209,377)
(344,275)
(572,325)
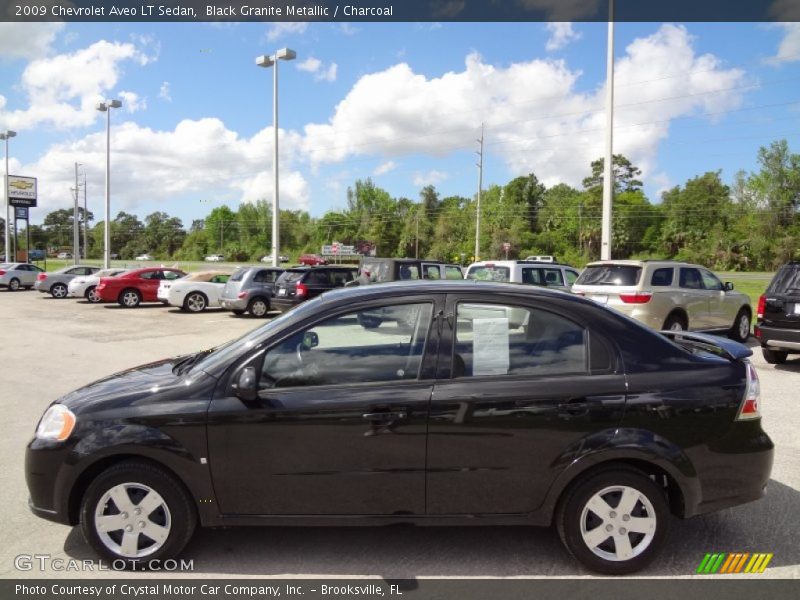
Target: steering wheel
(309,367)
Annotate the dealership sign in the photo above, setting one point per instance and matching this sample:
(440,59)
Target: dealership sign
(21,191)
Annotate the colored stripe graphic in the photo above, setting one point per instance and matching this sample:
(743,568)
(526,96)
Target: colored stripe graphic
(727,564)
(703,563)
(734,562)
(741,562)
(718,564)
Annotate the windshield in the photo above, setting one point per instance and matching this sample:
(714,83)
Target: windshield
(610,275)
(222,355)
(238,275)
(489,273)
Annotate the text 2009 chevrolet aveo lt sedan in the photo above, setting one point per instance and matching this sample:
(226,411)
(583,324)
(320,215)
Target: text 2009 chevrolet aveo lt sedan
(520,406)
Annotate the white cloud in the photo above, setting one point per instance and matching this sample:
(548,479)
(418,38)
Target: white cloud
(789,48)
(320,71)
(384,168)
(27,40)
(561,34)
(433,177)
(62,90)
(536,119)
(164,93)
(201,157)
(282,29)
(132,102)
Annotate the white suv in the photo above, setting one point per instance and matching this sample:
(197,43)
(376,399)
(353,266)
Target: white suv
(666,294)
(545,274)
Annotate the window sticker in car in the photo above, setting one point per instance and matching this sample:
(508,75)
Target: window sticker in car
(490,346)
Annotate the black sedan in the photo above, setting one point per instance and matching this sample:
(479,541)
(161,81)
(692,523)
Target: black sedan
(467,403)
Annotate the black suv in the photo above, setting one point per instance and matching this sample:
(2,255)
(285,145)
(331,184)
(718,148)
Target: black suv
(778,325)
(299,284)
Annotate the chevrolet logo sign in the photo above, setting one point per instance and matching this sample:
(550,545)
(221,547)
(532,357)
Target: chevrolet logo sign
(21,185)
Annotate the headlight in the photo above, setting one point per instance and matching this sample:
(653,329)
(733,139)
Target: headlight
(56,424)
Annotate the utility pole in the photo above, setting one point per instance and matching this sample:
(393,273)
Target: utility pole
(416,237)
(608,168)
(580,228)
(76,242)
(85,218)
(480,190)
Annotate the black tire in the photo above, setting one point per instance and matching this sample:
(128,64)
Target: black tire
(129,298)
(258,307)
(740,330)
(58,291)
(91,295)
(369,321)
(179,516)
(195,302)
(774,357)
(28,287)
(238,312)
(13,285)
(574,509)
(676,322)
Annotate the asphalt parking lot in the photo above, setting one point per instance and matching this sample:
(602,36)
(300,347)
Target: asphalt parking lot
(49,347)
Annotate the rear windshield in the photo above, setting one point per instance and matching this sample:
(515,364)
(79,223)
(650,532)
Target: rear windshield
(489,273)
(610,275)
(786,280)
(238,275)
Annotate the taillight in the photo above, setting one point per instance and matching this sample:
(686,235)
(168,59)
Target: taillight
(638,298)
(301,290)
(241,295)
(41,276)
(750,408)
(762,305)
(2,273)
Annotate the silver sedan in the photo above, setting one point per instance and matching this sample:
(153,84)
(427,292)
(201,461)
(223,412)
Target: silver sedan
(56,283)
(16,275)
(85,286)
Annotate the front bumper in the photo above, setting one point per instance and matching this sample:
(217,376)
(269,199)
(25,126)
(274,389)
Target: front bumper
(45,476)
(777,338)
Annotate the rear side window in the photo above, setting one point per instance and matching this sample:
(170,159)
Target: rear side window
(662,277)
(170,275)
(341,277)
(571,276)
(553,277)
(431,272)
(786,280)
(489,273)
(690,279)
(238,275)
(610,275)
(532,276)
(453,273)
(407,272)
(317,278)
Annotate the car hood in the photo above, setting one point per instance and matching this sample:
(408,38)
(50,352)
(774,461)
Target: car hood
(146,384)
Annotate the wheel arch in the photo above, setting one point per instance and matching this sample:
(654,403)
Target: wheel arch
(680,313)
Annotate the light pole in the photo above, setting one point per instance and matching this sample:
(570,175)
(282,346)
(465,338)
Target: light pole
(272,61)
(106,108)
(608,169)
(7,135)
(76,239)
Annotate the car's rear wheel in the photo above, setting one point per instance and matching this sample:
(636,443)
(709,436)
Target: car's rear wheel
(13,285)
(92,295)
(135,511)
(258,307)
(195,302)
(774,357)
(675,322)
(58,290)
(130,298)
(740,330)
(614,521)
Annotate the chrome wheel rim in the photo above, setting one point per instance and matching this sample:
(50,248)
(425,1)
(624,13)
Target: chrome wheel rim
(130,299)
(132,520)
(13,285)
(744,327)
(91,295)
(196,303)
(618,523)
(59,291)
(259,308)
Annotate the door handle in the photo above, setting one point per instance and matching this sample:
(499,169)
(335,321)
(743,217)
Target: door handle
(385,416)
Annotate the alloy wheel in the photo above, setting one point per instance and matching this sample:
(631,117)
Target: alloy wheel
(196,303)
(130,299)
(59,290)
(13,285)
(92,295)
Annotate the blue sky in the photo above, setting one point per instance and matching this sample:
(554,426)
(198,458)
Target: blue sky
(401,103)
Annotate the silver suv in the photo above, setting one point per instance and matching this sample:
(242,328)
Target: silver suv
(250,289)
(668,295)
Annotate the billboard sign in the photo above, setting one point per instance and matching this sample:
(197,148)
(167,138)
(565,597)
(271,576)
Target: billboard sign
(21,213)
(21,191)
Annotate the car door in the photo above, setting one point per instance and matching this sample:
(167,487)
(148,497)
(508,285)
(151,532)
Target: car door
(718,308)
(148,285)
(339,424)
(694,298)
(509,403)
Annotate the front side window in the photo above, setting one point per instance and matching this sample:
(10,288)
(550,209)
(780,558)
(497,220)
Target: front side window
(496,340)
(372,345)
(571,276)
(172,275)
(532,276)
(451,272)
(690,279)
(710,281)
(553,277)
(431,272)
(407,272)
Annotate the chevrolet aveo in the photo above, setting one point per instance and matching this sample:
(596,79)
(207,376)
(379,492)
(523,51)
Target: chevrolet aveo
(469,402)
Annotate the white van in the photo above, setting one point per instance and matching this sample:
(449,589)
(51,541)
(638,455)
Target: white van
(524,271)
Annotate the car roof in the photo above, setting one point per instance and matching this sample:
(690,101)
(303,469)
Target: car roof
(510,263)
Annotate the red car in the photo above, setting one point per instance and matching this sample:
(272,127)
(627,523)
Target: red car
(312,260)
(134,287)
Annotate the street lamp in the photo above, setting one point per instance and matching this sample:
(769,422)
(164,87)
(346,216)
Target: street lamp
(7,135)
(106,108)
(272,61)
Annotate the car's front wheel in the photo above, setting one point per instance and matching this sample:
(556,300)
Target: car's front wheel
(136,511)
(130,298)
(92,295)
(59,290)
(774,357)
(614,521)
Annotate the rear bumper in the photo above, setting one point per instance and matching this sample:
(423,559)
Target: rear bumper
(283,304)
(777,338)
(233,304)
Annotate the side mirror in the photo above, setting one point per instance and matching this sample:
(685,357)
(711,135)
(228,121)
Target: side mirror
(246,385)
(310,339)
(728,286)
